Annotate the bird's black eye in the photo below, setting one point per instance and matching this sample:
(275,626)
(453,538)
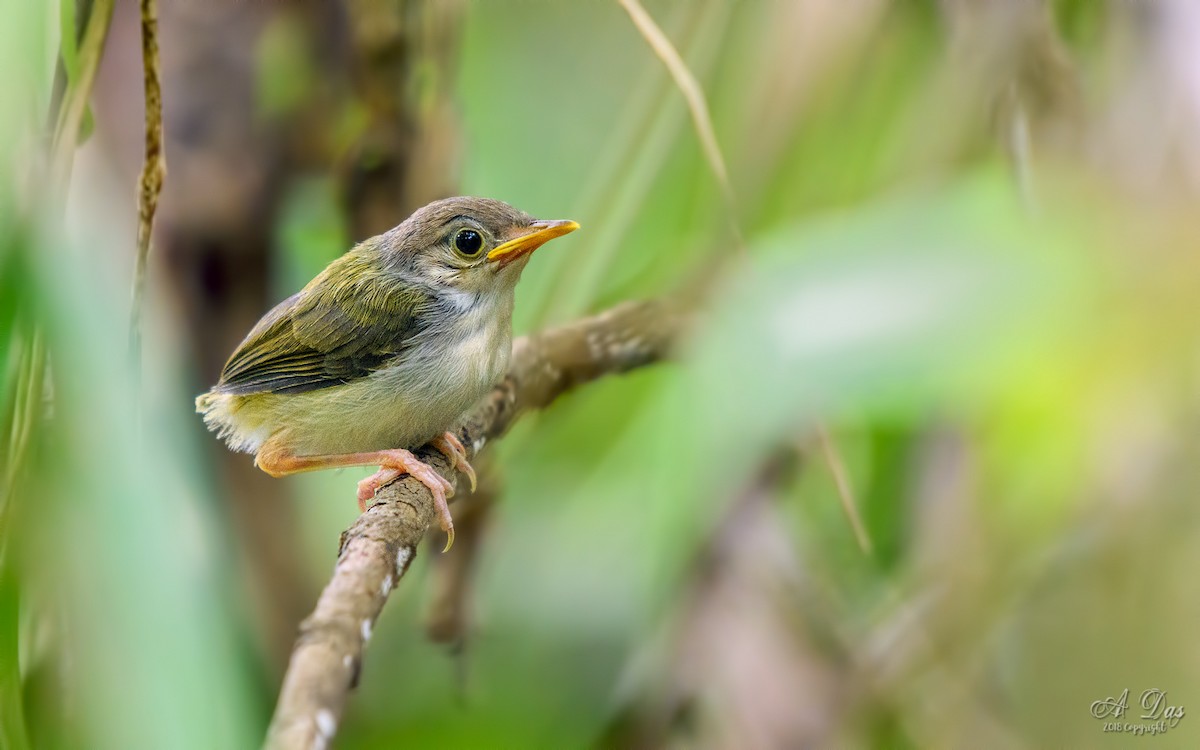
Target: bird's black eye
(468,242)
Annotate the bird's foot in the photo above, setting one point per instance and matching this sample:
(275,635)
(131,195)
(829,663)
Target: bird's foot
(396,464)
(369,487)
(452,448)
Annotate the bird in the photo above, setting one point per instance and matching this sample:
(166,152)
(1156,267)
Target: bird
(384,350)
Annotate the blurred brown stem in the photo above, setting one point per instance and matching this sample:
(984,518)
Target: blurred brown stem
(697,103)
(841,480)
(154,170)
(404,67)
(742,618)
(377,549)
(447,619)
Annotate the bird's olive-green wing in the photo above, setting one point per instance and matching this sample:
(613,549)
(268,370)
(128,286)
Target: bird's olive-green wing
(330,333)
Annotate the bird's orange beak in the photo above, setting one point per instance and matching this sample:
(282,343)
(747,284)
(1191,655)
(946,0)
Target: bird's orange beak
(542,232)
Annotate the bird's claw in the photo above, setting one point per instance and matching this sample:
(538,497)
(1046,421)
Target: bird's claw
(403,462)
(452,448)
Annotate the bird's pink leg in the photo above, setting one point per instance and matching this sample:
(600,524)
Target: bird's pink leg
(392,464)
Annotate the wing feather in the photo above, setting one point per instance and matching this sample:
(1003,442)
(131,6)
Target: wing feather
(330,333)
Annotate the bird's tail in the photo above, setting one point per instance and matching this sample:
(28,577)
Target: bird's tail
(205,403)
(219,411)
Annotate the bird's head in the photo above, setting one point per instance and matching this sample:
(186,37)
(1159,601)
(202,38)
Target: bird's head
(474,245)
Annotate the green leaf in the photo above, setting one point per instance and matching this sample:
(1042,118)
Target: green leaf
(86,127)
(916,307)
(68,39)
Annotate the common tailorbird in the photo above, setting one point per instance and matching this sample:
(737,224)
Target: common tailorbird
(384,350)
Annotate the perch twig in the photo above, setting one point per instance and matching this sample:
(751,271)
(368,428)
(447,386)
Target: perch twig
(377,549)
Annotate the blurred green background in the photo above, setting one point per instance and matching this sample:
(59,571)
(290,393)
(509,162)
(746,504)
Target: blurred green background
(965,252)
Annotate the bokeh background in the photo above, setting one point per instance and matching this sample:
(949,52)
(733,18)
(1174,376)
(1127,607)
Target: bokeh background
(952,281)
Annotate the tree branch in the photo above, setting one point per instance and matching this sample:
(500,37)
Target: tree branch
(377,549)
